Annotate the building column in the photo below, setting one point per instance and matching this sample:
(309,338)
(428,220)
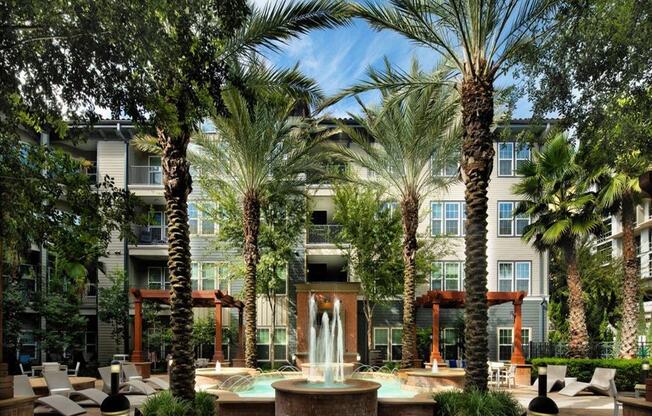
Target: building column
(218,355)
(137,353)
(434,354)
(240,353)
(517,348)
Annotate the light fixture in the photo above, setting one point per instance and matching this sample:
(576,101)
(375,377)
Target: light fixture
(542,404)
(645,373)
(115,404)
(357,357)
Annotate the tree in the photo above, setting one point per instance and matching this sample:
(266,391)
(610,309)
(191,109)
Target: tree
(477,40)
(557,194)
(601,282)
(402,143)
(203,332)
(260,153)
(113,305)
(371,238)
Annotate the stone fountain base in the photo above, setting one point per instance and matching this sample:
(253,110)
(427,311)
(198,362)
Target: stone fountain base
(297,397)
(317,370)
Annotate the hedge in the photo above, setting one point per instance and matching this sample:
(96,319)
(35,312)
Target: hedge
(628,372)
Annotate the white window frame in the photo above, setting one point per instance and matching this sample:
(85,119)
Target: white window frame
(518,159)
(447,171)
(514,158)
(513,275)
(200,218)
(163,282)
(443,267)
(501,158)
(276,343)
(154,169)
(527,330)
(162,226)
(197,275)
(388,347)
(443,219)
(444,344)
(391,342)
(512,219)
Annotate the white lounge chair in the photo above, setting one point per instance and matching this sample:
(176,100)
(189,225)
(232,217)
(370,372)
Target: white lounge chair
(600,383)
(555,374)
(127,387)
(28,373)
(131,373)
(58,383)
(51,404)
(75,371)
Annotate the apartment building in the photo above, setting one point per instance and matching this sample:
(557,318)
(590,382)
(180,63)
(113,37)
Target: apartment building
(513,265)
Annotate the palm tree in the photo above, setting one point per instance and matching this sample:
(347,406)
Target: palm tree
(477,39)
(620,192)
(260,153)
(399,143)
(557,194)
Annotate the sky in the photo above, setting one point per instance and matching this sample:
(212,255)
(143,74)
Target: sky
(337,58)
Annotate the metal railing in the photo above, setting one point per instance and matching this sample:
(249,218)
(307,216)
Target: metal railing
(323,234)
(150,236)
(145,175)
(595,350)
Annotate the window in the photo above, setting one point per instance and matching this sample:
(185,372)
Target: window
(193,218)
(389,341)
(157,278)
(448,170)
(506,342)
(263,344)
(208,276)
(448,218)
(514,276)
(449,344)
(89,342)
(154,170)
(207,223)
(207,126)
(510,225)
(511,156)
(200,220)
(280,344)
(28,345)
(156,226)
(447,275)
(391,206)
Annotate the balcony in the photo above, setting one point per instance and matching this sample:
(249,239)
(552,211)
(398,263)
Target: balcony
(150,175)
(150,236)
(323,234)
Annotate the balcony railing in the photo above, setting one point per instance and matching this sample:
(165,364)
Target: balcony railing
(150,236)
(145,175)
(323,234)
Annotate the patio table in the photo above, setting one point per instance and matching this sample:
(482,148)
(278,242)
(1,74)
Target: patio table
(38,369)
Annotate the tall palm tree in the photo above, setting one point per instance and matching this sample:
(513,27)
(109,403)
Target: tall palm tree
(557,194)
(477,38)
(620,193)
(399,143)
(259,153)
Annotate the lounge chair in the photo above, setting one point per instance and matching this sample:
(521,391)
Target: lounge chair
(600,383)
(556,375)
(127,387)
(51,366)
(29,373)
(51,404)
(75,371)
(131,373)
(58,383)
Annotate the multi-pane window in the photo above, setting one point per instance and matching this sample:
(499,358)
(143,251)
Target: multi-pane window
(391,206)
(208,276)
(447,275)
(263,344)
(514,275)
(157,278)
(449,343)
(389,340)
(510,225)
(156,226)
(447,218)
(506,342)
(28,344)
(154,170)
(201,221)
(90,345)
(448,170)
(511,156)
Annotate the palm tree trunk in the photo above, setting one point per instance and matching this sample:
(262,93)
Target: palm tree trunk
(579,336)
(177,185)
(251,224)
(477,164)
(631,283)
(410,211)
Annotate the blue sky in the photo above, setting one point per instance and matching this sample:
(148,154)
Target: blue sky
(337,58)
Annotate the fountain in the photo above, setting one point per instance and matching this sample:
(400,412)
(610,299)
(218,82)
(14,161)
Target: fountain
(326,390)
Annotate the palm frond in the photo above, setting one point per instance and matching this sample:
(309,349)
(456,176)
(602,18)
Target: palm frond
(147,144)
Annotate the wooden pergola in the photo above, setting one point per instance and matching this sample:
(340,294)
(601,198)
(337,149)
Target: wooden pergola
(436,299)
(200,298)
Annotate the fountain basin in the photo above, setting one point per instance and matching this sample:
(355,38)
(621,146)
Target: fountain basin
(224,373)
(445,378)
(314,372)
(354,397)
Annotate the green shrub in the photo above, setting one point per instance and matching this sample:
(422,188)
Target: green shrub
(164,404)
(477,403)
(628,372)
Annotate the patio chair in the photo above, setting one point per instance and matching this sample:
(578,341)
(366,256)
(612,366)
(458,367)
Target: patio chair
(600,383)
(28,373)
(556,375)
(50,367)
(50,404)
(510,376)
(127,387)
(58,383)
(131,373)
(75,371)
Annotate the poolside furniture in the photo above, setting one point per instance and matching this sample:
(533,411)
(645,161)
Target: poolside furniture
(51,366)
(495,369)
(127,387)
(58,383)
(509,374)
(56,403)
(131,373)
(600,383)
(556,375)
(201,362)
(75,371)
(29,373)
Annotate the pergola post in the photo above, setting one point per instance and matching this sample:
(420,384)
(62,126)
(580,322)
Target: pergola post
(218,355)
(240,353)
(517,349)
(434,354)
(137,353)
